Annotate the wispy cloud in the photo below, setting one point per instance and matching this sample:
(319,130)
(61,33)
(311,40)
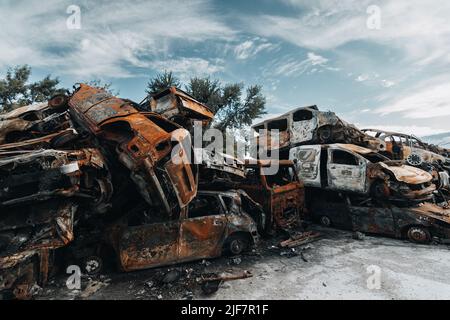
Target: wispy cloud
(114,38)
(291,66)
(250,48)
(429,99)
(417,27)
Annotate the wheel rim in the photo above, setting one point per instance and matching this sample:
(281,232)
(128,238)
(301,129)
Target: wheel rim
(325,221)
(236,246)
(418,235)
(325,134)
(92,265)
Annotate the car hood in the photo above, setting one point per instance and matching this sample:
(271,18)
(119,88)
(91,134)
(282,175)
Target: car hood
(408,174)
(433,211)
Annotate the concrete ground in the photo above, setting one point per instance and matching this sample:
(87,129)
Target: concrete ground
(334,267)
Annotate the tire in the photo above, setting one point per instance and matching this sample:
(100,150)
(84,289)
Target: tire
(92,265)
(325,221)
(418,234)
(325,134)
(236,244)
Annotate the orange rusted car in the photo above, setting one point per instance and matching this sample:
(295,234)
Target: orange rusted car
(281,194)
(214,222)
(143,143)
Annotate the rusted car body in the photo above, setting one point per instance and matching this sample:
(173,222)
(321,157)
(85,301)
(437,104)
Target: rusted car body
(180,107)
(308,125)
(213,221)
(416,153)
(41,192)
(281,195)
(226,171)
(401,146)
(419,223)
(143,143)
(34,121)
(350,168)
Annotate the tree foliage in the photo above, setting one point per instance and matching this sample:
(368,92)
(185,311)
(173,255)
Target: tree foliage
(107,86)
(162,81)
(15,91)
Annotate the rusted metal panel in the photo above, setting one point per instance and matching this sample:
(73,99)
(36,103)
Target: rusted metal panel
(177,105)
(407,174)
(143,144)
(281,195)
(195,235)
(149,245)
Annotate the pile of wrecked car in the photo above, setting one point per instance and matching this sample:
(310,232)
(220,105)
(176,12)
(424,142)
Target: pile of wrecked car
(367,180)
(89,177)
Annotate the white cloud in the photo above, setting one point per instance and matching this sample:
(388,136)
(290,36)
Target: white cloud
(418,131)
(250,48)
(362,78)
(419,28)
(387,83)
(429,99)
(288,66)
(115,36)
(185,68)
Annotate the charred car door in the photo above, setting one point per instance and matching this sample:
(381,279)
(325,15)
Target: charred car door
(307,164)
(375,220)
(346,171)
(203,228)
(304,124)
(144,245)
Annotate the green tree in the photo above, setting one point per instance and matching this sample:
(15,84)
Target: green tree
(107,86)
(162,81)
(15,91)
(233,111)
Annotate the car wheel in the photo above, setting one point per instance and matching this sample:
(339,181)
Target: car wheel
(414,160)
(325,134)
(92,265)
(236,244)
(325,221)
(419,234)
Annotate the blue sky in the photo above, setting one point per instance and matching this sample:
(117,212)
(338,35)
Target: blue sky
(302,52)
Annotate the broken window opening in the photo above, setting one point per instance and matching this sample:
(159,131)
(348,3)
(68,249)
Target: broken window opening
(302,115)
(203,206)
(280,125)
(345,158)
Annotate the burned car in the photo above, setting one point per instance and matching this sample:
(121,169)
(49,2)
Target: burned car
(214,222)
(401,146)
(281,194)
(420,223)
(41,193)
(226,171)
(308,125)
(143,143)
(354,169)
(180,107)
(34,121)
